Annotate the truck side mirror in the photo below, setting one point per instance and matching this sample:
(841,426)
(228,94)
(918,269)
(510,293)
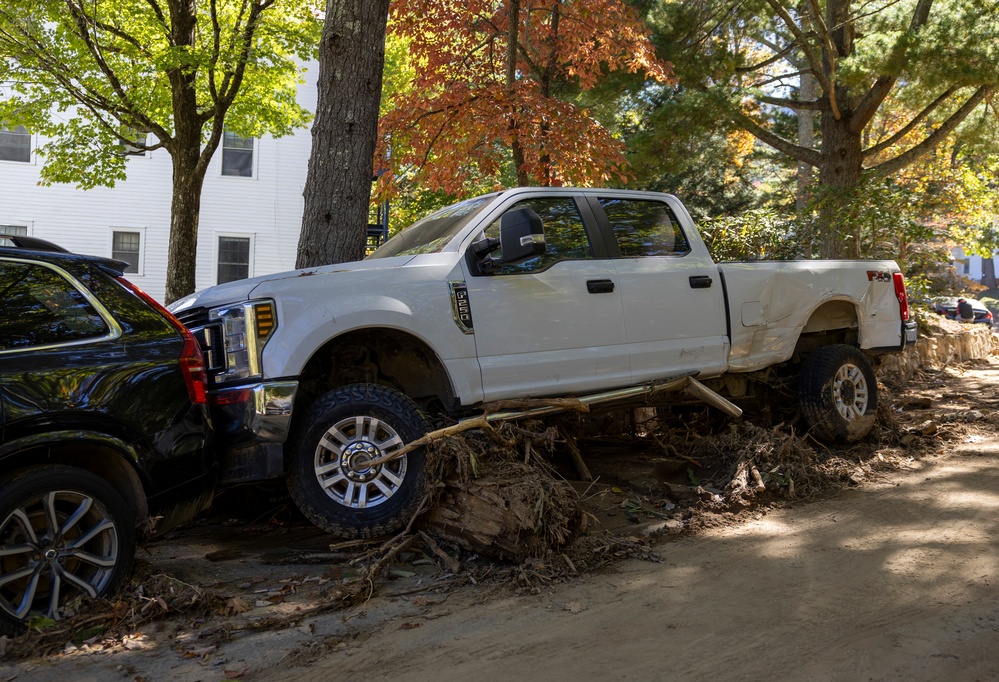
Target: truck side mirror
(522,237)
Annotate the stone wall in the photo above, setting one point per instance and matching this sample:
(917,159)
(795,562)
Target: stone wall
(940,343)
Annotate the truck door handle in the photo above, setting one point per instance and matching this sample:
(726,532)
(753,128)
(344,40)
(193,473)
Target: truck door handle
(599,286)
(700,282)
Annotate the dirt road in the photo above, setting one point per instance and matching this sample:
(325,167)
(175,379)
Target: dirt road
(895,580)
(898,581)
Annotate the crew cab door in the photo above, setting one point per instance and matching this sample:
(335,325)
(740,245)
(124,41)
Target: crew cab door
(674,306)
(553,324)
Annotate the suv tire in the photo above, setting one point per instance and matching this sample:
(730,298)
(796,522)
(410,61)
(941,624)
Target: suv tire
(64,532)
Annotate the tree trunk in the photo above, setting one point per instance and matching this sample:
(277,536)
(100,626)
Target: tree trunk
(512,47)
(338,188)
(185,211)
(806,138)
(840,171)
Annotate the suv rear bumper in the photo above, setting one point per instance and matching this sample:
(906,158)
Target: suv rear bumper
(251,424)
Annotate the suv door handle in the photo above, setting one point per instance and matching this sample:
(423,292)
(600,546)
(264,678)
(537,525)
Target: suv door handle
(700,282)
(599,286)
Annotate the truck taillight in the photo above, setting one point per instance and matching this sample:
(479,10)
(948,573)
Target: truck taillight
(192,362)
(903,299)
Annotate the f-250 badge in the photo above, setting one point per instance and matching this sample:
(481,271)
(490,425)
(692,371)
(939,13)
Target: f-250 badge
(461,308)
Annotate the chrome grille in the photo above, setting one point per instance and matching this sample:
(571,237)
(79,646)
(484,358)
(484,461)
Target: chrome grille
(209,336)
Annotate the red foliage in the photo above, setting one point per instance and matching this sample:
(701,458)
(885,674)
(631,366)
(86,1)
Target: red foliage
(464,115)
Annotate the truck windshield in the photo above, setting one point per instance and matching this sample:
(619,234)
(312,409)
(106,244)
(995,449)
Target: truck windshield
(432,233)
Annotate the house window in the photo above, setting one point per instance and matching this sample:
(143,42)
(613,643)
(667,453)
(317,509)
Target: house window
(11,231)
(237,155)
(135,147)
(234,259)
(125,246)
(15,144)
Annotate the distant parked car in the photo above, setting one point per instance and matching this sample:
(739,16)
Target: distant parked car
(105,427)
(947,306)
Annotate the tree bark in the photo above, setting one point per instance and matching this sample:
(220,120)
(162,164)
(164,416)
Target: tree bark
(840,171)
(338,187)
(185,151)
(185,212)
(516,126)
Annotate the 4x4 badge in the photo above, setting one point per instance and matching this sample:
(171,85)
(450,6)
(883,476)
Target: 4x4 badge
(461,308)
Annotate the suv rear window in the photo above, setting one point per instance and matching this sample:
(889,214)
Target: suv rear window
(40,308)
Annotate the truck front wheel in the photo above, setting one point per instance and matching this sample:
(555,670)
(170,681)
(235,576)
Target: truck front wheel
(839,393)
(328,476)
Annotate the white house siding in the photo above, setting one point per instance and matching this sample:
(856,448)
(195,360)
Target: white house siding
(267,207)
(971,267)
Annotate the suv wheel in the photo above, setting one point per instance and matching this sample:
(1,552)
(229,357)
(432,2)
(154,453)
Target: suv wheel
(342,431)
(64,532)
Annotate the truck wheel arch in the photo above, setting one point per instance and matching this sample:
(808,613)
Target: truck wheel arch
(377,355)
(832,322)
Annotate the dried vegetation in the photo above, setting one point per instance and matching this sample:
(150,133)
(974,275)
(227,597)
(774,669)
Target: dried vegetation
(501,507)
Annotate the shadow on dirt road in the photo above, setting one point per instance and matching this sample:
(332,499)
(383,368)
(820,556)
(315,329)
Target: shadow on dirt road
(895,580)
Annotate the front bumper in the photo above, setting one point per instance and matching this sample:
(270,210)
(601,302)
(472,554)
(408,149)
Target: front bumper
(251,425)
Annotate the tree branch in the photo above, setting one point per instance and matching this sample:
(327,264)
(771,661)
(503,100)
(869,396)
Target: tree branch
(868,106)
(797,152)
(801,39)
(904,130)
(933,139)
(767,62)
(797,105)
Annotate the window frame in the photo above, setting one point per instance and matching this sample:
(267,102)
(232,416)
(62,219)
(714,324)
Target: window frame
(593,232)
(31,144)
(4,235)
(114,329)
(219,236)
(141,231)
(253,157)
(606,228)
(130,150)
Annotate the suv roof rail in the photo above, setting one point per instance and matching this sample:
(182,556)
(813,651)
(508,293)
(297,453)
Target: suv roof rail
(34,244)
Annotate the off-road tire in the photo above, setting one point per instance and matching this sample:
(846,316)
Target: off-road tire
(839,393)
(94,525)
(358,423)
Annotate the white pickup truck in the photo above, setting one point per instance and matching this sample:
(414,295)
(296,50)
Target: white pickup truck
(530,292)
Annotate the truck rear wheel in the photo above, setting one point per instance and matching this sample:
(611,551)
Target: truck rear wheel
(328,477)
(839,393)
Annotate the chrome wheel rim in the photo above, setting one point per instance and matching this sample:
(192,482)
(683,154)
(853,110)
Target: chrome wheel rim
(341,458)
(52,548)
(850,392)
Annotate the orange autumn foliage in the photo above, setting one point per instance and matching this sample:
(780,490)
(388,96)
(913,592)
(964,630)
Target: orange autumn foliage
(464,114)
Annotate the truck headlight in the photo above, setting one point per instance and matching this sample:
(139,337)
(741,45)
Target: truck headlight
(246,327)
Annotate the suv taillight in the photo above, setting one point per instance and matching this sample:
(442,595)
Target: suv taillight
(192,362)
(903,299)
(192,365)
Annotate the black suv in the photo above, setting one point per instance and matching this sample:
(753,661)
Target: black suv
(105,433)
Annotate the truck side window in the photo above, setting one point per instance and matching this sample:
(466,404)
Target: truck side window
(645,228)
(565,234)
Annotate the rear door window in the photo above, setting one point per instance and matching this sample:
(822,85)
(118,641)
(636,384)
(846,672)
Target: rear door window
(40,307)
(644,228)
